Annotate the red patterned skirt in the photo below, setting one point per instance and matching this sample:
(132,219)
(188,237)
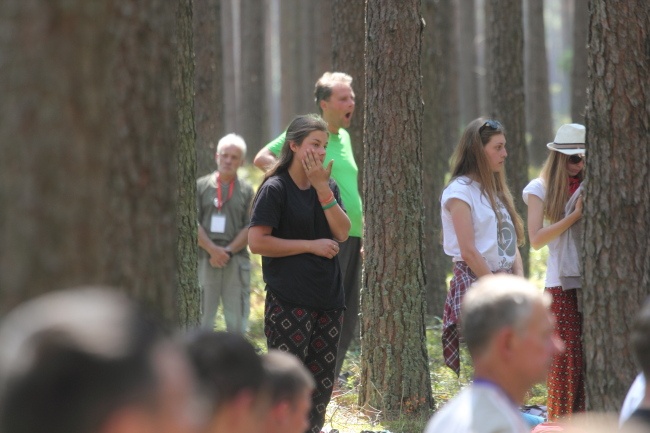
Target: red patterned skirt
(565,381)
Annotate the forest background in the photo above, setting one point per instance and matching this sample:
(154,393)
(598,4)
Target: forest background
(110,111)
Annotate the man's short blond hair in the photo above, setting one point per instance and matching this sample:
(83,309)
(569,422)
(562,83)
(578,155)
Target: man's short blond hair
(326,83)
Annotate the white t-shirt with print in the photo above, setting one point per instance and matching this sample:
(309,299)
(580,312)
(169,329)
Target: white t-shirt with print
(537,188)
(499,249)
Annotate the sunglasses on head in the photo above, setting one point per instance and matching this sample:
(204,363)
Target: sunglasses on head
(492,124)
(576,159)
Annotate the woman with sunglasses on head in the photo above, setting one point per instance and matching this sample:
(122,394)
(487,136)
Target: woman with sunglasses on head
(481,228)
(548,222)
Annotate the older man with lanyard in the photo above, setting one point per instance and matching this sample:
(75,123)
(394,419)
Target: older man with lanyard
(223,213)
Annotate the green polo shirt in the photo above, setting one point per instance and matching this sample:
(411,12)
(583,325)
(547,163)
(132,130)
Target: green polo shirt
(344,172)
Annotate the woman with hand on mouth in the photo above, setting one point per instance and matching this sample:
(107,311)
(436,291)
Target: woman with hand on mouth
(297,223)
(481,228)
(549,224)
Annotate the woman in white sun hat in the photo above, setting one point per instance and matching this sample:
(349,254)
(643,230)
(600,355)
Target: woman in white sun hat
(549,224)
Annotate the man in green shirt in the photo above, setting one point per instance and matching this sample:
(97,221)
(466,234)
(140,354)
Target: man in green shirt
(335,100)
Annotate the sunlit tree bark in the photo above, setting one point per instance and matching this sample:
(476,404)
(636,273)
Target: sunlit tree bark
(394,362)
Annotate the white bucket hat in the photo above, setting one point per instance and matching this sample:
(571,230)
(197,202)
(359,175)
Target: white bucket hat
(570,139)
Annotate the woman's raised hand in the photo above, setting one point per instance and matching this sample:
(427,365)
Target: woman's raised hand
(316,173)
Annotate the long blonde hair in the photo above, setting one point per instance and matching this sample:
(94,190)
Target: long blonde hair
(556,179)
(469,159)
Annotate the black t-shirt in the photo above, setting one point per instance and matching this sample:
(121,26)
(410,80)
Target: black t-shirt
(304,279)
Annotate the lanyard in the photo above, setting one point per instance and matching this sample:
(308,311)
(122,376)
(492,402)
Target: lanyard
(218,202)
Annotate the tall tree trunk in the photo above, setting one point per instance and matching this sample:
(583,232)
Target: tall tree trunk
(348,41)
(253,119)
(320,44)
(189,293)
(208,82)
(394,363)
(617,198)
(439,90)
(467,62)
(315,49)
(289,53)
(88,149)
(538,103)
(231,49)
(505,85)
(481,49)
(579,63)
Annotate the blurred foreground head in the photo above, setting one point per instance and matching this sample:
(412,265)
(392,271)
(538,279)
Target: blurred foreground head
(231,380)
(88,360)
(290,388)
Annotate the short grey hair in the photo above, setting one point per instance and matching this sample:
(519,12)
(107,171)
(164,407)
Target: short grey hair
(495,302)
(286,376)
(232,139)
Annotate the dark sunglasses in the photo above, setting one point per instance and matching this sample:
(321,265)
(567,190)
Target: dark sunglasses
(576,159)
(492,124)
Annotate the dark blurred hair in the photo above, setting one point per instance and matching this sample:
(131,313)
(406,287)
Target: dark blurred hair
(224,364)
(286,376)
(71,358)
(640,338)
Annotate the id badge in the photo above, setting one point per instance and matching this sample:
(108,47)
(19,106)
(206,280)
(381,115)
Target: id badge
(218,223)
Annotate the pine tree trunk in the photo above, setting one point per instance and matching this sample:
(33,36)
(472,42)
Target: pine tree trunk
(467,62)
(348,40)
(315,48)
(617,197)
(579,64)
(189,293)
(439,69)
(505,86)
(208,82)
(394,363)
(290,68)
(320,44)
(253,119)
(538,101)
(231,64)
(88,149)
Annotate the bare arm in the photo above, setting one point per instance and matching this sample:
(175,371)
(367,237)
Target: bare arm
(461,217)
(518,266)
(261,241)
(540,235)
(264,159)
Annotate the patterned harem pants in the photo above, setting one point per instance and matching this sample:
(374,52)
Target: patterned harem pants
(311,335)
(565,381)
